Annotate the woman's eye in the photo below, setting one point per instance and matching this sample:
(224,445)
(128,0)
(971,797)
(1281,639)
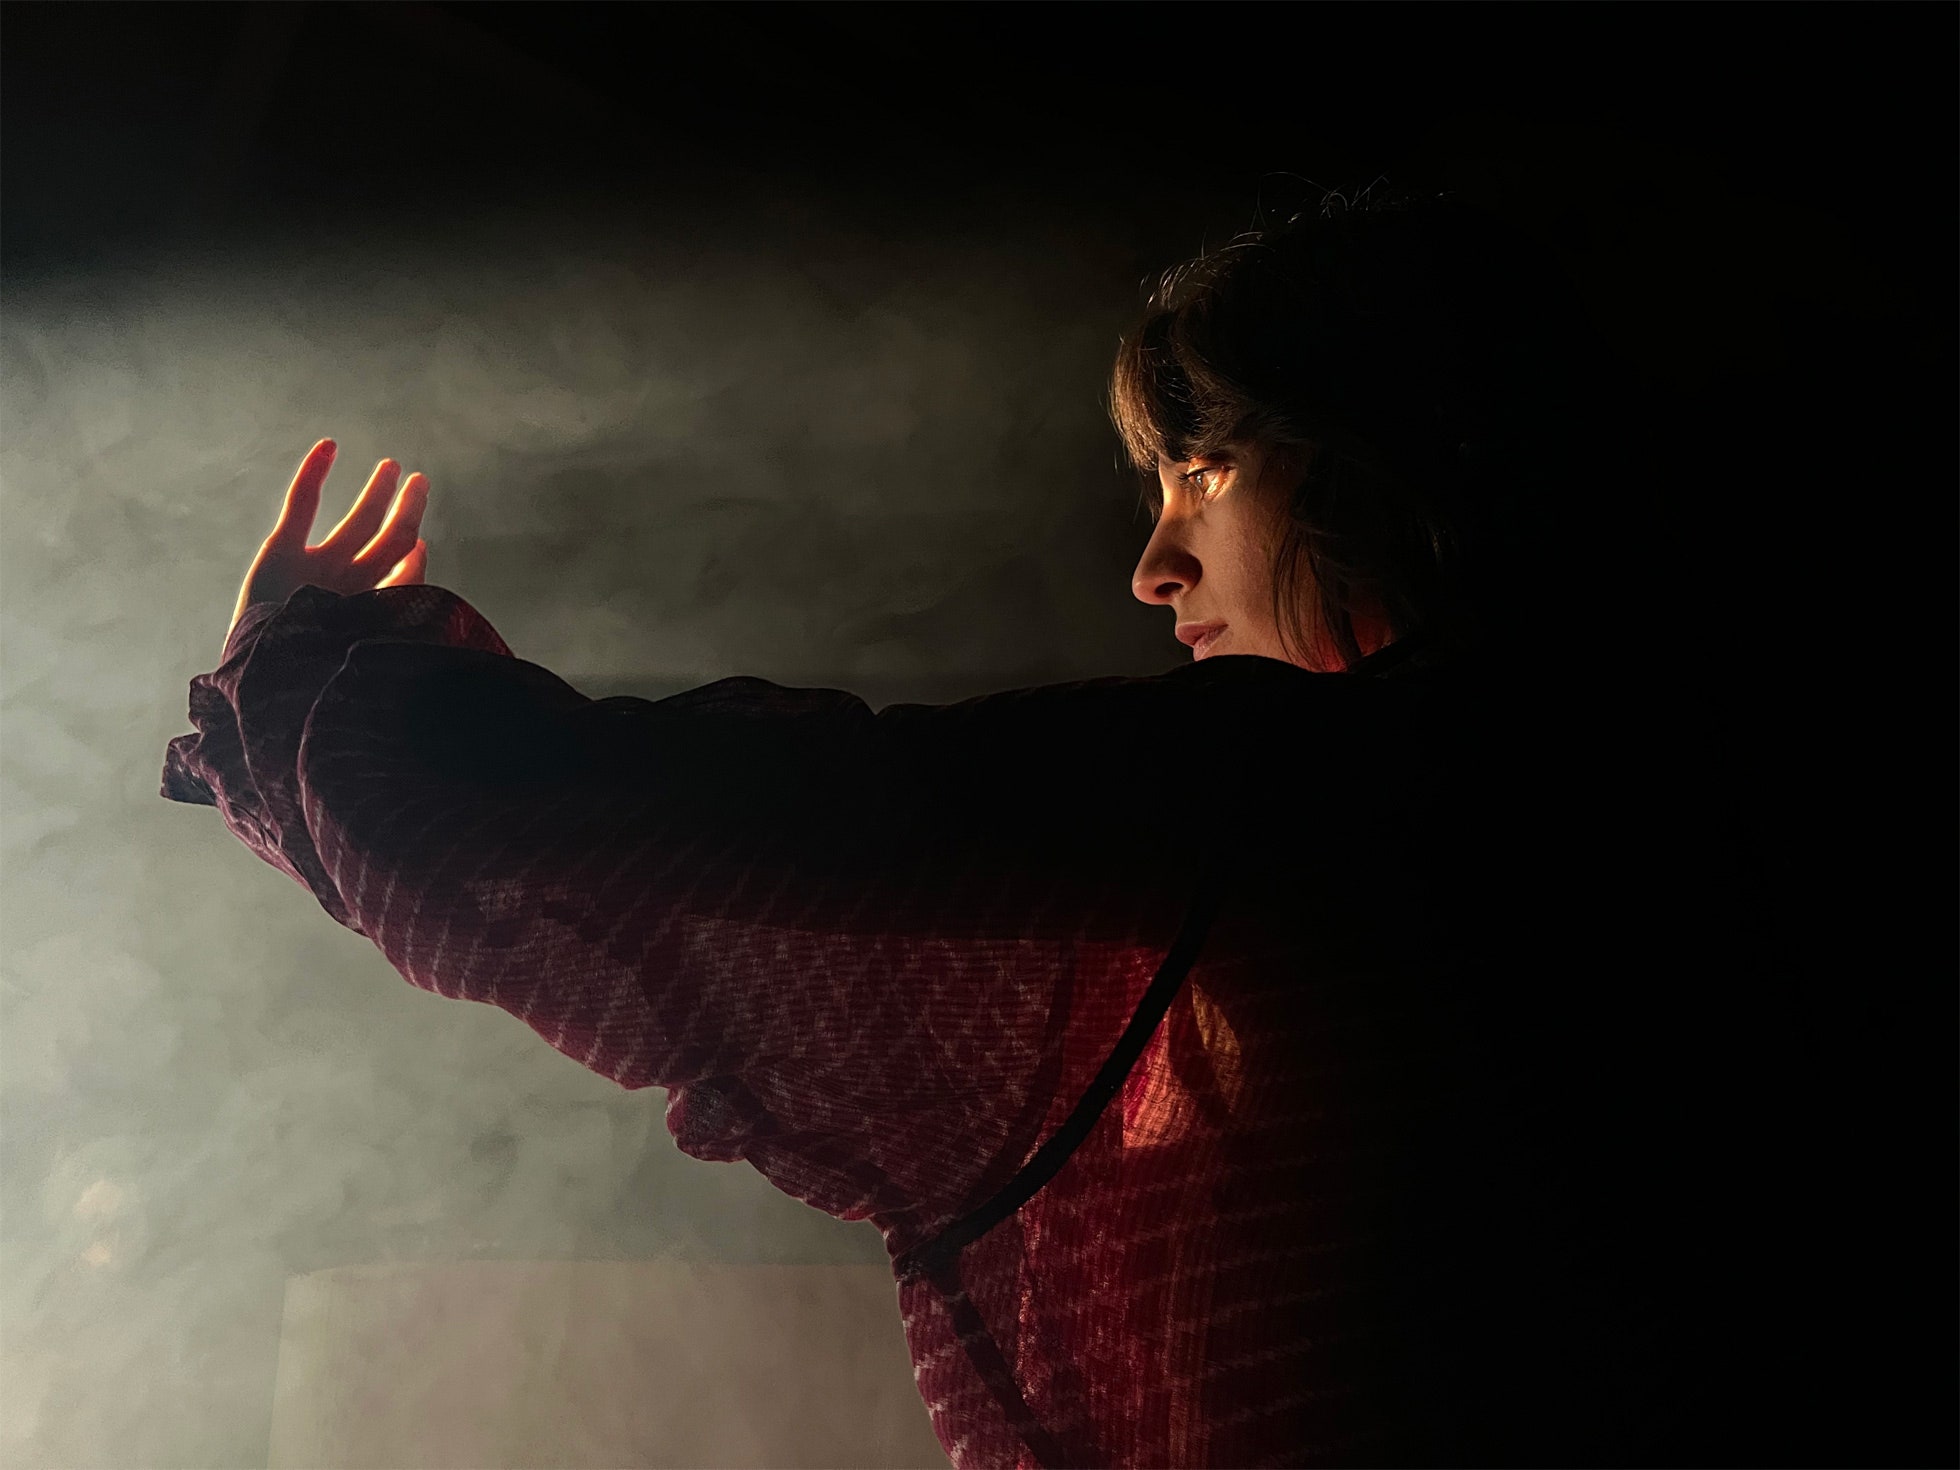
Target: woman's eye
(1198,481)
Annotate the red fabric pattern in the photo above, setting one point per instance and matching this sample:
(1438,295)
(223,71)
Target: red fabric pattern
(878,956)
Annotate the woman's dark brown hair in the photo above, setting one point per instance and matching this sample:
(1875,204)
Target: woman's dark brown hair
(1418,367)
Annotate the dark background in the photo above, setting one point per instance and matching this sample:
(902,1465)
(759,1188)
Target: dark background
(1756,201)
(129,123)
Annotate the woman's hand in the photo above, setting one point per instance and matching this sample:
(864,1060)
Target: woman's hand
(377,543)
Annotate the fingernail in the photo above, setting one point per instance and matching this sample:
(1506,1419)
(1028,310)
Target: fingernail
(329,446)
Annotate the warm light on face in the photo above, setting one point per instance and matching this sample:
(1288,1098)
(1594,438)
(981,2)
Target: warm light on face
(1212,554)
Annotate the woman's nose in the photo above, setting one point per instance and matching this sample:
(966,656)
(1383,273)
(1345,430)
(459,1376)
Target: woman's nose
(1167,570)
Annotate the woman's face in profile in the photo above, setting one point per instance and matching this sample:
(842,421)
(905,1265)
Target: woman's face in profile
(1210,558)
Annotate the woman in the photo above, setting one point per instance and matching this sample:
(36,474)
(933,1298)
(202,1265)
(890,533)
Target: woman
(1146,1017)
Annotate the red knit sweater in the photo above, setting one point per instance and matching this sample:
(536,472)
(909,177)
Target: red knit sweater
(879,957)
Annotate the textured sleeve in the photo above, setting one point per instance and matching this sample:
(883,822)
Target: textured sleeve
(844,940)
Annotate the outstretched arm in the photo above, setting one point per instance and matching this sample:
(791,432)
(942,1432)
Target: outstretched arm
(850,943)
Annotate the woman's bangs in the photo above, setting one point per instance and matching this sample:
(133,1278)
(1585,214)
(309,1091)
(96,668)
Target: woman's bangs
(1150,397)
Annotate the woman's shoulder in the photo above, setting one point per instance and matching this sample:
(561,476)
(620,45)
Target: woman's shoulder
(1411,668)
(1216,716)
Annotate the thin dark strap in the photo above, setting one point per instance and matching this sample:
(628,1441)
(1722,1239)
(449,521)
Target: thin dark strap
(938,1259)
(930,1256)
(984,1353)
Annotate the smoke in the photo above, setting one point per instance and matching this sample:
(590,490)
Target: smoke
(249,1173)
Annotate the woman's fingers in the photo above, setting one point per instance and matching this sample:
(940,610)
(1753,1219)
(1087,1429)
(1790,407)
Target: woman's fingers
(398,534)
(381,532)
(411,571)
(363,519)
(302,502)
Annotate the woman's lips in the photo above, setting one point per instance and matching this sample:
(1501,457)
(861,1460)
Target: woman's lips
(1201,636)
